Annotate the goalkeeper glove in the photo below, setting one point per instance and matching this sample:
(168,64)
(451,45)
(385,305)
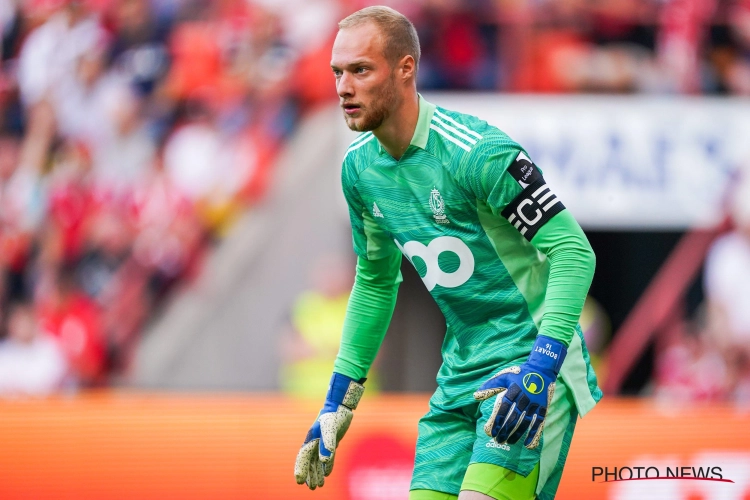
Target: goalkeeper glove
(524,394)
(315,458)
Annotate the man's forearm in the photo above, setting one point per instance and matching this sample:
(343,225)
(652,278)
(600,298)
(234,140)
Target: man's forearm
(572,264)
(368,314)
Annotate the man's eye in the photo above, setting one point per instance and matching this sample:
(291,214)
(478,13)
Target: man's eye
(336,73)
(361,70)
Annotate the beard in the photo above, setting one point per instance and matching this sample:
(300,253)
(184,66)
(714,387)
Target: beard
(372,116)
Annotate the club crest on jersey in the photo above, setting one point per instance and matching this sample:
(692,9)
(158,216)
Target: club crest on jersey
(437,205)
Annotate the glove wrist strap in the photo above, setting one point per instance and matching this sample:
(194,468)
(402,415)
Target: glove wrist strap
(344,390)
(548,354)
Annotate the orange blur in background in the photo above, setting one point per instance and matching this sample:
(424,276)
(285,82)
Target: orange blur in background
(138,445)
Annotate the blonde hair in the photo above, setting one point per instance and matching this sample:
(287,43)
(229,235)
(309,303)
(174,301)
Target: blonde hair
(400,36)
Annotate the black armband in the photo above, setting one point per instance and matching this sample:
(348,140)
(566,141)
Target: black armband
(536,204)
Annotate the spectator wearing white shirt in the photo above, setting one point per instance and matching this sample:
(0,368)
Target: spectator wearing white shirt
(31,362)
(727,285)
(727,276)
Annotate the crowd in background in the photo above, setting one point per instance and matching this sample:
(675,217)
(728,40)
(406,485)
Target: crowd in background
(133,132)
(558,46)
(709,359)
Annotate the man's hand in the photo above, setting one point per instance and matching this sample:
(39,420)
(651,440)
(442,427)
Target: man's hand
(315,458)
(523,394)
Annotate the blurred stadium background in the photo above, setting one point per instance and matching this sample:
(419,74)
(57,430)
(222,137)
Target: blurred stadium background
(175,251)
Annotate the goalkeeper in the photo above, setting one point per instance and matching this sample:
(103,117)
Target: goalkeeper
(506,263)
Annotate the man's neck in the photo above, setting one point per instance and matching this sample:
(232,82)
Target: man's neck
(396,132)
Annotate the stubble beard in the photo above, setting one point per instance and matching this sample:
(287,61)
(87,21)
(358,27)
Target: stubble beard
(378,111)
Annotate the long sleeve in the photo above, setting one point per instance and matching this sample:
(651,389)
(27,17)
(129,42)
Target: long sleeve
(368,314)
(571,269)
(514,188)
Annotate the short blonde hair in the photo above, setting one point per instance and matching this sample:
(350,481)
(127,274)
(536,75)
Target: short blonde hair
(400,36)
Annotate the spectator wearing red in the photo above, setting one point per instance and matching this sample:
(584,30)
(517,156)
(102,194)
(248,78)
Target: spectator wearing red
(72,201)
(75,321)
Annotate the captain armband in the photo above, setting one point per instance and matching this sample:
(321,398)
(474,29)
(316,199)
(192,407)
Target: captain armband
(536,204)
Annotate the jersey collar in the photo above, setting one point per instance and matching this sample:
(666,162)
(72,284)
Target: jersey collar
(422,130)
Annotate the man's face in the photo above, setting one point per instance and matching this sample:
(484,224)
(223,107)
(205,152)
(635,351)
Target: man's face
(365,80)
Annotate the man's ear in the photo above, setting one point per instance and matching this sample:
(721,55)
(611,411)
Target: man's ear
(407,68)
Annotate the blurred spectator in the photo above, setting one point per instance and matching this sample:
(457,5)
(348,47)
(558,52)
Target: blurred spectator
(139,46)
(727,277)
(727,284)
(597,332)
(457,49)
(10,24)
(100,110)
(713,362)
(735,69)
(76,322)
(72,202)
(51,52)
(692,368)
(206,166)
(48,58)
(168,229)
(31,362)
(311,341)
(21,212)
(683,33)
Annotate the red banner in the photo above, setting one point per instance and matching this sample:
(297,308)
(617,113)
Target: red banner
(140,446)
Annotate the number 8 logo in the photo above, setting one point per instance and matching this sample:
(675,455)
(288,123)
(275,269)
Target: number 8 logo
(430,253)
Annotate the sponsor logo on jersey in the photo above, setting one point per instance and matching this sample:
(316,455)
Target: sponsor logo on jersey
(376,211)
(493,444)
(430,254)
(437,205)
(524,171)
(533,382)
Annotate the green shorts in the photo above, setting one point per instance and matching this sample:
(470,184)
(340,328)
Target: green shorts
(454,453)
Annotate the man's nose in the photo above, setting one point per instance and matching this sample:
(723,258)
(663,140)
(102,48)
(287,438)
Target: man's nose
(344,86)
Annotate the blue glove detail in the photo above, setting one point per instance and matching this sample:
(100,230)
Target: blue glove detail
(523,393)
(315,458)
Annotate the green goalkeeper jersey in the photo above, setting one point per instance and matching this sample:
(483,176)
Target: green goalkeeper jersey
(463,204)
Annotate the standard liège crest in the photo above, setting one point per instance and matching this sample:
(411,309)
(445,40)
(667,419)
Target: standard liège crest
(437,205)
